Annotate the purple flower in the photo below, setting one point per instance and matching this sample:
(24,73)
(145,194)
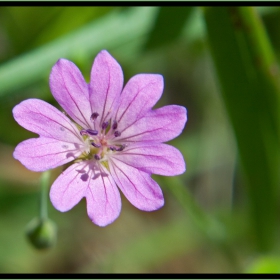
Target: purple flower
(113,138)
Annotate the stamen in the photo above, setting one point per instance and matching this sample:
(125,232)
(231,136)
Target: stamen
(92,131)
(97,157)
(95,145)
(105,125)
(112,148)
(115,125)
(94,116)
(117,133)
(121,148)
(83,132)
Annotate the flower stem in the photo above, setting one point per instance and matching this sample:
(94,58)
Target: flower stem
(45,178)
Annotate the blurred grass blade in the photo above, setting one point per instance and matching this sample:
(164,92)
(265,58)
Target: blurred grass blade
(111,31)
(169,23)
(248,75)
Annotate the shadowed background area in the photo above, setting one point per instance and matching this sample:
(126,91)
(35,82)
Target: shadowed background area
(222,215)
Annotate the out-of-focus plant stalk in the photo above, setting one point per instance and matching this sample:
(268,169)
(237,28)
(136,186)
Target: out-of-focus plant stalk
(86,41)
(249,78)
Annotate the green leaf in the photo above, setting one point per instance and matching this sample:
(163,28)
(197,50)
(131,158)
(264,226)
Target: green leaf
(111,31)
(248,76)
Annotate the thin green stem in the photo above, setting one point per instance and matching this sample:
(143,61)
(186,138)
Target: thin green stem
(45,178)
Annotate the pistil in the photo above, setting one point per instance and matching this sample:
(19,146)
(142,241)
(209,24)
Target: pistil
(100,140)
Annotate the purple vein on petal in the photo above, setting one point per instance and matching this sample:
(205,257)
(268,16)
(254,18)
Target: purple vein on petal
(130,103)
(73,131)
(136,190)
(119,159)
(77,173)
(104,185)
(74,101)
(50,154)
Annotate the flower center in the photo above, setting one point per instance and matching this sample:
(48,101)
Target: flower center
(101,142)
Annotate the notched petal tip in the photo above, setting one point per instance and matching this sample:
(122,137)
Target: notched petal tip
(101,222)
(17,110)
(104,54)
(154,81)
(155,205)
(137,186)
(60,63)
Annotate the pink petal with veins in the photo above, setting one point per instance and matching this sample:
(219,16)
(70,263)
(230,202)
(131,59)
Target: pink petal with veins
(106,82)
(85,179)
(139,95)
(41,154)
(159,125)
(153,158)
(42,118)
(103,199)
(71,91)
(137,186)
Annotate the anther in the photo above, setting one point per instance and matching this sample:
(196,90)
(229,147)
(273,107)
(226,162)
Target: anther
(94,116)
(121,148)
(117,133)
(95,145)
(92,131)
(115,125)
(97,157)
(105,125)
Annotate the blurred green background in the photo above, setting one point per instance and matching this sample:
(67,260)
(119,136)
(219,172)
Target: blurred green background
(221,63)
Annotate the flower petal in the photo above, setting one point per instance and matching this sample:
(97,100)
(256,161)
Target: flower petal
(106,84)
(103,199)
(138,187)
(70,187)
(160,125)
(40,154)
(86,179)
(42,118)
(71,91)
(153,158)
(139,95)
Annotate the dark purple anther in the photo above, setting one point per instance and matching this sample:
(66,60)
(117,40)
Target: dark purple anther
(105,125)
(92,131)
(117,133)
(121,148)
(94,116)
(115,125)
(112,148)
(97,157)
(95,145)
